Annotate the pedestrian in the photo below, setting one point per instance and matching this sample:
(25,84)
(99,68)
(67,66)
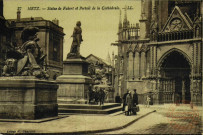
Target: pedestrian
(90,93)
(101,96)
(129,104)
(177,99)
(135,102)
(118,99)
(96,95)
(124,100)
(148,101)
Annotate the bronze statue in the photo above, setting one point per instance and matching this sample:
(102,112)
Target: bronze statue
(77,39)
(26,60)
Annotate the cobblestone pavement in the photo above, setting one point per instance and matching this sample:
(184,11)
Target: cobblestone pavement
(165,122)
(73,123)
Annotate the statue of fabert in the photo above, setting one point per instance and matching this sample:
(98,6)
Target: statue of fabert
(77,39)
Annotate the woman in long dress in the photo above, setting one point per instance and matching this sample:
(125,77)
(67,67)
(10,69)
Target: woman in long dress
(129,102)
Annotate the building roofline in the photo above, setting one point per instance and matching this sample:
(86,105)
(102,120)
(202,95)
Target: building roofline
(42,19)
(99,59)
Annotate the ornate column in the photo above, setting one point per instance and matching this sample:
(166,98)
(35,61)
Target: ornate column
(196,91)
(143,64)
(130,65)
(136,65)
(199,58)
(151,61)
(161,88)
(183,91)
(154,61)
(196,77)
(166,89)
(173,91)
(148,70)
(194,58)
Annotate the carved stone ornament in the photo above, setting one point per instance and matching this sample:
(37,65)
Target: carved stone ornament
(26,60)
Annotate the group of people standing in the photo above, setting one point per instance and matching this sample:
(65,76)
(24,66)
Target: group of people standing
(130,101)
(97,95)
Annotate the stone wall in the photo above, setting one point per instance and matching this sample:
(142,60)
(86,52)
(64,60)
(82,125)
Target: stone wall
(27,98)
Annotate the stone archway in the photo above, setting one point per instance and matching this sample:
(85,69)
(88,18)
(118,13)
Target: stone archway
(175,69)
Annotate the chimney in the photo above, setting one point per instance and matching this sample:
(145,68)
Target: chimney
(18,15)
(55,21)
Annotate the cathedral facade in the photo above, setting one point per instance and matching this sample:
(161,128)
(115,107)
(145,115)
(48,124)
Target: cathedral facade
(162,55)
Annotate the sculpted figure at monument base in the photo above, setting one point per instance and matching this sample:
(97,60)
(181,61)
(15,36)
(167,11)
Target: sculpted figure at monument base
(26,94)
(26,60)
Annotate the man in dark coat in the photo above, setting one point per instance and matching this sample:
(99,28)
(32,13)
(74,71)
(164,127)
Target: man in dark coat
(135,100)
(101,96)
(124,100)
(117,99)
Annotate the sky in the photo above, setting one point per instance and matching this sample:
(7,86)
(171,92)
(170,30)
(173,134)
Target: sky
(99,24)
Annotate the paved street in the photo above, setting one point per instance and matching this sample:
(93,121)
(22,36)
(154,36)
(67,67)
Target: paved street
(165,121)
(73,123)
(168,119)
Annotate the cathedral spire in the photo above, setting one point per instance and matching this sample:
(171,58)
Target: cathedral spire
(125,20)
(143,16)
(125,15)
(108,58)
(154,16)
(112,63)
(120,22)
(18,14)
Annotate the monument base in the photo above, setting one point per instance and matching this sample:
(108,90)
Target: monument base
(25,97)
(74,83)
(73,89)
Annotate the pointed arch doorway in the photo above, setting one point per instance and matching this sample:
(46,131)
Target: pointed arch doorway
(175,70)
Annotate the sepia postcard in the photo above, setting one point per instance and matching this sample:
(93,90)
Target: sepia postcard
(101,66)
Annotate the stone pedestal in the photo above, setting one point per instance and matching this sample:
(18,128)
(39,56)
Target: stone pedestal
(27,98)
(74,83)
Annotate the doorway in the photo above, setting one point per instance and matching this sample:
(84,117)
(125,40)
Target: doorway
(176,67)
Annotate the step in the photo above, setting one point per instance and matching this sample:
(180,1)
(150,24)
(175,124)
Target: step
(90,111)
(60,101)
(87,106)
(117,113)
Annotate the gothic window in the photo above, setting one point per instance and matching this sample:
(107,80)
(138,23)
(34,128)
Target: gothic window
(56,50)
(175,24)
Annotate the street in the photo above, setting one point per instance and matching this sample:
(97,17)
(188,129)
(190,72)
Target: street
(165,122)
